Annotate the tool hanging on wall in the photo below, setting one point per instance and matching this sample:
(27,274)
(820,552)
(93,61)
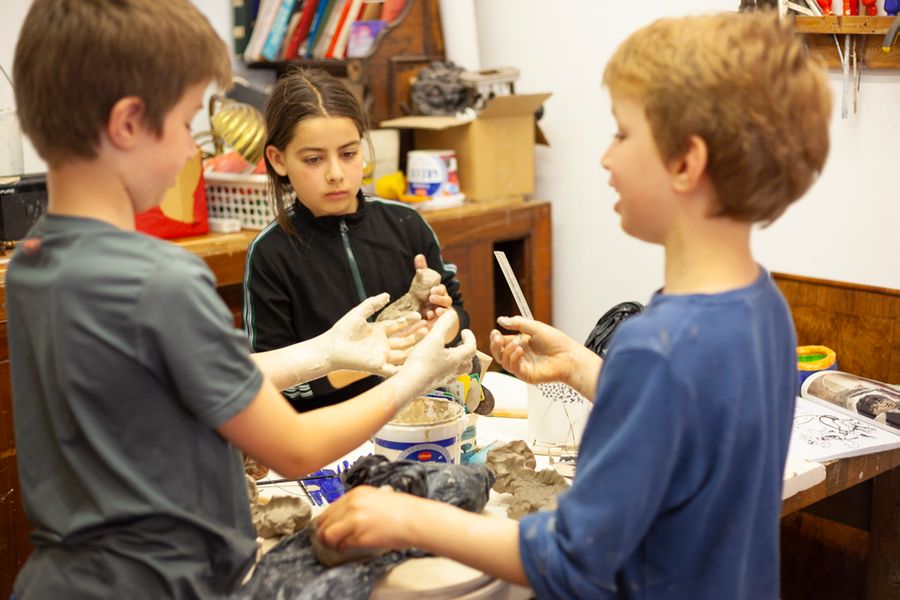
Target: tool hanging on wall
(851,63)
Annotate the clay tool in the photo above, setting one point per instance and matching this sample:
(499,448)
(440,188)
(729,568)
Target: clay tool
(513,284)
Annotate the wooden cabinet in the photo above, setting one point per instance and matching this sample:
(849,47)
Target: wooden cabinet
(382,79)
(468,234)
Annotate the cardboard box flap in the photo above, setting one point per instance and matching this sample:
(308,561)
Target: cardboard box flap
(433,123)
(511,106)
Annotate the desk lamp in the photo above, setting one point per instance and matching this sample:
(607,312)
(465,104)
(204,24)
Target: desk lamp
(236,124)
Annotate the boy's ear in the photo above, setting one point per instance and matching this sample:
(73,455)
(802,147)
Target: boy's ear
(689,168)
(276,158)
(126,119)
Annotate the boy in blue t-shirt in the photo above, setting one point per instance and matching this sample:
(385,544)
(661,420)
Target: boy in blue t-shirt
(722,123)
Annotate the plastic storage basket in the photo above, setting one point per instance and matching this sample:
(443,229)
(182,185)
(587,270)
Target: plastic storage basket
(239,196)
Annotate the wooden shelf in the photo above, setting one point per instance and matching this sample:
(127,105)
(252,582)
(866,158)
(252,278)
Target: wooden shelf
(382,78)
(842,25)
(820,35)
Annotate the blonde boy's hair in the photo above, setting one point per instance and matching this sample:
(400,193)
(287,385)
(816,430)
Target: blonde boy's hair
(76,58)
(745,85)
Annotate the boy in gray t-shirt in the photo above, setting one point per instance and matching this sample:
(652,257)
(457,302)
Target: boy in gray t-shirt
(132,390)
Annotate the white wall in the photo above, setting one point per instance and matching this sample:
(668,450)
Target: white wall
(12,15)
(845,229)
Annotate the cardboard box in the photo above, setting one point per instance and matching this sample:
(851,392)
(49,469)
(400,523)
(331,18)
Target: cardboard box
(494,152)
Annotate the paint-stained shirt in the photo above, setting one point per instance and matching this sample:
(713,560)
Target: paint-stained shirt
(677,491)
(124,360)
(297,287)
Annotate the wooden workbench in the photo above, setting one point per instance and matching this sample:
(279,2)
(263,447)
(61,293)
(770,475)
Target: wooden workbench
(469,234)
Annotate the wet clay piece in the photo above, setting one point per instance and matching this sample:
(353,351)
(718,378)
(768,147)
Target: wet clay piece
(425,411)
(416,299)
(513,466)
(332,558)
(281,515)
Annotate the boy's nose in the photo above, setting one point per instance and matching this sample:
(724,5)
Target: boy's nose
(604,160)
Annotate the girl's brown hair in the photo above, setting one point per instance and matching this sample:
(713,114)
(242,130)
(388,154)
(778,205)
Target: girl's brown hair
(301,94)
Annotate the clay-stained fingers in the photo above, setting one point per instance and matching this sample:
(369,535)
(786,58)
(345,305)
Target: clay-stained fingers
(461,355)
(402,326)
(347,521)
(397,357)
(371,305)
(444,324)
(520,324)
(419,262)
(507,349)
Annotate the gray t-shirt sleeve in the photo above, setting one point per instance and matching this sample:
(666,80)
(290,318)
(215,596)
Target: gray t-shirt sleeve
(189,333)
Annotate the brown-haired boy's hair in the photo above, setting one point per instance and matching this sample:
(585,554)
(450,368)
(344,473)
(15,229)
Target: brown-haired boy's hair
(76,58)
(300,94)
(745,85)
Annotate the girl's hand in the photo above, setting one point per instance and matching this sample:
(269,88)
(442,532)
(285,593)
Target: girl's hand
(380,347)
(438,301)
(537,354)
(367,517)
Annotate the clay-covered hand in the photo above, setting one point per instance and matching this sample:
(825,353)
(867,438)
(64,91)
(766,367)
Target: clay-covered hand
(381,347)
(368,517)
(539,353)
(431,364)
(438,299)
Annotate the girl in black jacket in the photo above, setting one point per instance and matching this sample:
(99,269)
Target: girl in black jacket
(331,247)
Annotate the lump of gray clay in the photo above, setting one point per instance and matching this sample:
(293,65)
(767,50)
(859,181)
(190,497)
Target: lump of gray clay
(415,299)
(281,515)
(513,466)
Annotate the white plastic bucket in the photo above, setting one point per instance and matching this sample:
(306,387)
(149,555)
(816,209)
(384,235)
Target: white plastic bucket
(431,174)
(427,430)
(556,417)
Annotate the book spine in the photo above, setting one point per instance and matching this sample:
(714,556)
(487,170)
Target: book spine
(272,48)
(302,31)
(336,36)
(317,25)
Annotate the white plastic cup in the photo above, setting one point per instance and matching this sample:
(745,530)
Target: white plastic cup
(555,422)
(10,143)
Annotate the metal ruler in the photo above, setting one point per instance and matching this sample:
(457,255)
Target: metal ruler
(513,284)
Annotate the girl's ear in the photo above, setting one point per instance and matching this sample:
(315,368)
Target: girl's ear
(688,170)
(276,159)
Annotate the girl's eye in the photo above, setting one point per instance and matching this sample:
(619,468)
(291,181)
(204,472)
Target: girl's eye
(350,154)
(312,160)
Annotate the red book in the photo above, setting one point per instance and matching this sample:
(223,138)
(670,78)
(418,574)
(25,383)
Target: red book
(337,31)
(391,9)
(306,17)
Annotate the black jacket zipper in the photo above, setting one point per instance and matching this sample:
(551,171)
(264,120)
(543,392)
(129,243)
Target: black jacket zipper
(354,268)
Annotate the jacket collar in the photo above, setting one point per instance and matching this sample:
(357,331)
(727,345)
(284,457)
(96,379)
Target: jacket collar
(304,219)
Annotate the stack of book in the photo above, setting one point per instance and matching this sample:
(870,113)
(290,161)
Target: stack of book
(278,30)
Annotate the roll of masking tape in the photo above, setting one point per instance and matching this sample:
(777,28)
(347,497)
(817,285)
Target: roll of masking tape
(812,359)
